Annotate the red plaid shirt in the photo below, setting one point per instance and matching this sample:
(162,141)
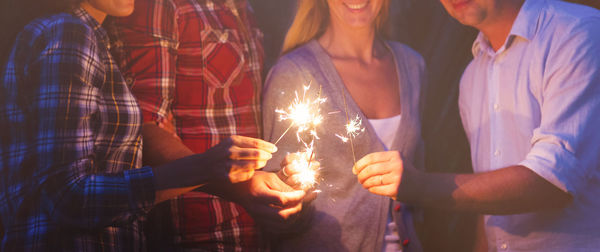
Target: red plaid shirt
(199,61)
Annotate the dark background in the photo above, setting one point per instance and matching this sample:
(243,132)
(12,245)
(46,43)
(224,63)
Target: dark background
(445,44)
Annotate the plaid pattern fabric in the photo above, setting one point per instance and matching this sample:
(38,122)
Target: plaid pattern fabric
(199,61)
(70,143)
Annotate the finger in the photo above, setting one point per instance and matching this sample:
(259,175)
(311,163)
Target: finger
(279,198)
(293,181)
(376,180)
(244,166)
(286,213)
(291,170)
(249,142)
(289,158)
(292,198)
(240,176)
(369,159)
(310,196)
(237,153)
(386,190)
(260,164)
(372,170)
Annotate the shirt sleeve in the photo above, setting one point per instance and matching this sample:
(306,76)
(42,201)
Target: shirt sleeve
(565,147)
(61,168)
(149,40)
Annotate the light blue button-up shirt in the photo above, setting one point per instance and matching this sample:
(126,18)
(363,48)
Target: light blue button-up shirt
(536,102)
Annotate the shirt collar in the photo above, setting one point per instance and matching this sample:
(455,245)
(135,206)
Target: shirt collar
(87,19)
(524,26)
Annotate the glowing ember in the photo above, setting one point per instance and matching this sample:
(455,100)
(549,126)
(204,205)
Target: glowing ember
(302,113)
(343,138)
(353,129)
(306,176)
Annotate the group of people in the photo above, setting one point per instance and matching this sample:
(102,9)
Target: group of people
(134,125)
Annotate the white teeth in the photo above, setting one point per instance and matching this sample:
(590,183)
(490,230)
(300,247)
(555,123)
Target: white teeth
(357,6)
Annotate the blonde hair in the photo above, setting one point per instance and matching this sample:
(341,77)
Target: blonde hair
(312,18)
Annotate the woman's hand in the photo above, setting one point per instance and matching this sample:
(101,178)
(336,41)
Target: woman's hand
(236,158)
(380,172)
(296,173)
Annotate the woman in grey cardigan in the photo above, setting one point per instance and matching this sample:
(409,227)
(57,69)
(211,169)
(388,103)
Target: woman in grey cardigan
(338,49)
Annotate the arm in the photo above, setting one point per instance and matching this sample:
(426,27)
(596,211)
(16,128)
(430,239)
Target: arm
(509,190)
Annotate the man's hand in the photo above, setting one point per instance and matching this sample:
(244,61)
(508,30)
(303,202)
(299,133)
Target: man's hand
(271,202)
(236,158)
(380,172)
(295,173)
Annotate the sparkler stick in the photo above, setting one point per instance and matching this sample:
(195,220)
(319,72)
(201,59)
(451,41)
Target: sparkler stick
(285,132)
(315,134)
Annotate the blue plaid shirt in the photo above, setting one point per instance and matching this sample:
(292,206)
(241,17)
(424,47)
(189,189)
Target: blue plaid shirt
(70,143)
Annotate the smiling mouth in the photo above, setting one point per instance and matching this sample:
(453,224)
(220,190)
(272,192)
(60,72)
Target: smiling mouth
(460,4)
(357,6)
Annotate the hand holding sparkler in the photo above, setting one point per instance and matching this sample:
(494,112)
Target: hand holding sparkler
(381,172)
(299,171)
(236,158)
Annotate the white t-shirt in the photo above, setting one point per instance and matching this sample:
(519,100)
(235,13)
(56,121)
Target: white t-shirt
(386,130)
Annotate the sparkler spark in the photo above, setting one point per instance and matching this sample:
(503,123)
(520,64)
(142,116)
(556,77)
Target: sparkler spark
(302,113)
(306,176)
(353,129)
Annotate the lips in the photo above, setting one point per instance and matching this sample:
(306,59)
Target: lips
(457,5)
(357,6)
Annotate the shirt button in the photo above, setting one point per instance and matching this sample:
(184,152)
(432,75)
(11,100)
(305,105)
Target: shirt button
(497,153)
(496,106)
(503,246)
(129,80)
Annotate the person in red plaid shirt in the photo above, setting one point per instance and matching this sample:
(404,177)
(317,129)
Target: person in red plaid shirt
(195,68)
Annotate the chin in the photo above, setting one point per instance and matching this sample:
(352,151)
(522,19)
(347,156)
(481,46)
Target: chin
(123,12)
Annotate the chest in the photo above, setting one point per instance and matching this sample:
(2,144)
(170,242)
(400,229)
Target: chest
(374,87)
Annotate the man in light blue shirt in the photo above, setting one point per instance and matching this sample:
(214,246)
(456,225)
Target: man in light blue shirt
(530,105)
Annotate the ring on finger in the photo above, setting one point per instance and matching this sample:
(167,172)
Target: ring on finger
(283,172)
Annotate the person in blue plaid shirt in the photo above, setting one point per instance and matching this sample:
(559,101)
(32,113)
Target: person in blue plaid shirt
(70,137)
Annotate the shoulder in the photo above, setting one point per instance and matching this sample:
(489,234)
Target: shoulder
(55,33)
(294,69)
(568,32)
(301,59)
(157,18)
(61,26)
(565,20)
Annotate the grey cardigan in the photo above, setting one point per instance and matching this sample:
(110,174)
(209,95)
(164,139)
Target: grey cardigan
(344,216)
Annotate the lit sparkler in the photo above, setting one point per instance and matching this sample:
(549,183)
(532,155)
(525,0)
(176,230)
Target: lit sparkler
(300,114)
(353,129)
(305,114)
(306,177)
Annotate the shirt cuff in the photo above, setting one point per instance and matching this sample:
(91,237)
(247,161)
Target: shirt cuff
(557,165)
(142,189)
